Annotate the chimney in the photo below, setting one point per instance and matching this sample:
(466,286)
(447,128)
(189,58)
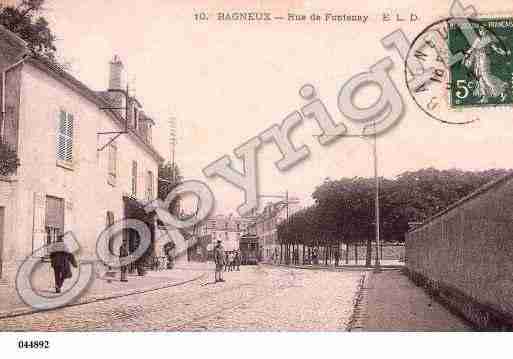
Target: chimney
(116,83)
(116,73)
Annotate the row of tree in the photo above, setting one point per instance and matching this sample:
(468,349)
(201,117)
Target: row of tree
(344,209)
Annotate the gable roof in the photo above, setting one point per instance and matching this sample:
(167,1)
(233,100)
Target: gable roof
(13,39)
(59,74)
(99,98)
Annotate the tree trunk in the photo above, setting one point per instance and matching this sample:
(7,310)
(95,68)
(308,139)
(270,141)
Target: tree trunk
(356,253)
(347,252)
(368,255)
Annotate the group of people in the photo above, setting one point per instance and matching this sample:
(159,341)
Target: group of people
(232,261)
(225,261)
(62,260)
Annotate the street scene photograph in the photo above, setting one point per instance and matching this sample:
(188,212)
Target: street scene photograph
(245,171)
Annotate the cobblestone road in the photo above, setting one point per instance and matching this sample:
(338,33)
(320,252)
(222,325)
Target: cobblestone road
(256,298)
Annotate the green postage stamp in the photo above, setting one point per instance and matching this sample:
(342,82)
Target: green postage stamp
(484,76)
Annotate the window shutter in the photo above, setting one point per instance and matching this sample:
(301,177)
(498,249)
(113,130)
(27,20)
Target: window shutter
(54,213)
(134,178)
(150,185)
(112,160)
(69,133)
(65,137)
(61,138)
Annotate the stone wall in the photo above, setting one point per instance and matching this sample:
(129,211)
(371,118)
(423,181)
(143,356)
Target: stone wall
(464,256)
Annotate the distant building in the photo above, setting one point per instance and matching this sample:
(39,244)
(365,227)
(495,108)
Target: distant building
(265,225)
(224,228)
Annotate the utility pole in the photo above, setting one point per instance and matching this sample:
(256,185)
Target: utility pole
(172,145)
(287,202)
(377,267)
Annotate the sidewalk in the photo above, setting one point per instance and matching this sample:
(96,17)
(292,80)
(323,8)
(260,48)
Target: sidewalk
(102,288)
(390,301)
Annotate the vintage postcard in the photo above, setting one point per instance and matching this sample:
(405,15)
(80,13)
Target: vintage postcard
(222,166)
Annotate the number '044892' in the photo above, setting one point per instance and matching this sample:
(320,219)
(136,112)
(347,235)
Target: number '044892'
(33,344)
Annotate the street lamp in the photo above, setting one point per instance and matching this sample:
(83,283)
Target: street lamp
(377,264)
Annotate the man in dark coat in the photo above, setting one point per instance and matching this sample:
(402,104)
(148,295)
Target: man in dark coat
(60,258)
(237,260)
(219,259)
(123,252)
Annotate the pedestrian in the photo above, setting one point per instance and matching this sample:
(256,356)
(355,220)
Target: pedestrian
(61,258)
(123,252)
(337,257)
(231,259)
(237,260)
(226,261)
(219,259)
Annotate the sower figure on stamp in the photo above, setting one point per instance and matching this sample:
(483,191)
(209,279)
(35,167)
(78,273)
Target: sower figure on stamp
(61,258)
(477,59)
(123,253)
(219,260)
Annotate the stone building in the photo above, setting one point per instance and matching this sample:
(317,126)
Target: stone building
(265,225)
(226,228)
(83,163)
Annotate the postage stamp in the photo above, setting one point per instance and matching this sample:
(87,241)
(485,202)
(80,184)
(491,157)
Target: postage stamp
(485,75)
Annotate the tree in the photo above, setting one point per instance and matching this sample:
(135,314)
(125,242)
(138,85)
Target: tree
(25,21)
(9,160)
(344,208)
(169,178)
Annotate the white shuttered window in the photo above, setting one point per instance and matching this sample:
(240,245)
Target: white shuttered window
(134,178)
(113,160)
(65,137)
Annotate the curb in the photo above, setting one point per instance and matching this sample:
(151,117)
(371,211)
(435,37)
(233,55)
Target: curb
(334,269)
(356,321)
(97,298)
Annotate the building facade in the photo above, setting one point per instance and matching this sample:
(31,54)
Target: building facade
(84,164)
(265,225)
(224,228)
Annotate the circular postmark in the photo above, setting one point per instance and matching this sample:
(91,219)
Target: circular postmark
(457,63)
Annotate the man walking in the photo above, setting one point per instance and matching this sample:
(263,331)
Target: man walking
(60,258)
(219,260)
(123,253)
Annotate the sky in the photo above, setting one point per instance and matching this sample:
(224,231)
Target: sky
(226,82)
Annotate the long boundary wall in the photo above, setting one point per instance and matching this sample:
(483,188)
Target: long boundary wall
(464,256)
